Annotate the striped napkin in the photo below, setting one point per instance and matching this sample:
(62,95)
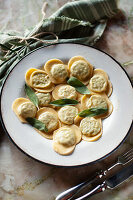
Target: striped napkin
(81,22)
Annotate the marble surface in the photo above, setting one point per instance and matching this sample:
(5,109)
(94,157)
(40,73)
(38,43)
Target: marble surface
(22,178)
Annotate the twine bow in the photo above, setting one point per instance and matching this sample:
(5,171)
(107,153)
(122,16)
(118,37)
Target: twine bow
(35,37)
(12,53)
(21,39)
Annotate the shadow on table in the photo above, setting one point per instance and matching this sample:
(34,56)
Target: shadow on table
(2,133)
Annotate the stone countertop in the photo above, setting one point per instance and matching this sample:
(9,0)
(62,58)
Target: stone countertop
(22,178)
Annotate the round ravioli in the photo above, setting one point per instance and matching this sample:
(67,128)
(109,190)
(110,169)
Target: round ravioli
(96,100)
(100,72)
(100,82)
(91,129)
(109,89)
(50,118)
(80,68)
(64,92)
(24,108)
(64,125)
(57,70)
(44,99)
(65,139)
(28,74)
(39,80)
(67,114)
(45,90)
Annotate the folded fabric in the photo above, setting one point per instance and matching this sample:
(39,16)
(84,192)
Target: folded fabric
(81,22)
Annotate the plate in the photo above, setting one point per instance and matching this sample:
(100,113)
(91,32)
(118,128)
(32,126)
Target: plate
(115,128)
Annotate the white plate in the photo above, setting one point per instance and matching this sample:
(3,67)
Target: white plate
(115,128)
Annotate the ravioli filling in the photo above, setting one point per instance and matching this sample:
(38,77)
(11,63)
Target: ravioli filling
(96,101)
(98,83)
(44,99)
(40,80)
(50,120)
(80,69)
(90,126)
(59,72)
(27,109)
(67,114)
(67,91)
(65,136)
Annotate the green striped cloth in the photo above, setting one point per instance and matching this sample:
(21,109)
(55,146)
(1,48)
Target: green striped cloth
(81,22)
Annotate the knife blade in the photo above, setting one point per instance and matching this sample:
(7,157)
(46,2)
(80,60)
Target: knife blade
(120,177)
(110,183)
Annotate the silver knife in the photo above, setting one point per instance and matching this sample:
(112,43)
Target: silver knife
(110,183)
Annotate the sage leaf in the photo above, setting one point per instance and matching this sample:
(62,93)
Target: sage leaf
(64,102)
(93,112)
(127,63)
(31,95)
(78,85)
(37,124)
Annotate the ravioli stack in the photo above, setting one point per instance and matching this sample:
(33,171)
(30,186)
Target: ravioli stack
(63,123)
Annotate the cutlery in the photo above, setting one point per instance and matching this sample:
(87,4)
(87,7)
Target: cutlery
(110,183)
(122,160)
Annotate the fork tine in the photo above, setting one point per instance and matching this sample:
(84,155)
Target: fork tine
(130,154)
(129,160)
(131,150)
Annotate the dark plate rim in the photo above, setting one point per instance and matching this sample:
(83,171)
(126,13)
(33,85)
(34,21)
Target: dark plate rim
(86,164)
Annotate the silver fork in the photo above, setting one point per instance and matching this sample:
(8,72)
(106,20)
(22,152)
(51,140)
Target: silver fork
(123,159)
(70,193)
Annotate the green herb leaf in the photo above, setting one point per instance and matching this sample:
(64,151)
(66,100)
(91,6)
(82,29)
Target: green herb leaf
(127,63)
(31,95)
(64,102)
(93,112)
(79,86)
(37,124)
